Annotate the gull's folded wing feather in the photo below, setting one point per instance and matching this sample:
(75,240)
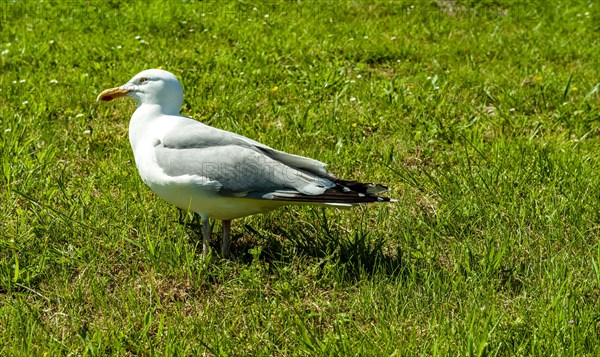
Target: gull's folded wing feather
(246,168)
(236,164)
(193,134)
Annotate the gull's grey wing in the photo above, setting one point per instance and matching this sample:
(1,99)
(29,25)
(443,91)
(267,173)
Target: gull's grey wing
(193,134)
(239,168)
(246,168)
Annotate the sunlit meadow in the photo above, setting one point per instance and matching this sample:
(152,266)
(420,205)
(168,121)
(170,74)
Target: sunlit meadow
(483,118)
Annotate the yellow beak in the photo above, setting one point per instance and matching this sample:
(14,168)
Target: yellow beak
(111,94)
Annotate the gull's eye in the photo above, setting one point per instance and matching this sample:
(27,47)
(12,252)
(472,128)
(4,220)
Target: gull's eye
(143,80)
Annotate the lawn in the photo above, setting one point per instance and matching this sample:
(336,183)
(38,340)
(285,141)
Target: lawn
(482,117)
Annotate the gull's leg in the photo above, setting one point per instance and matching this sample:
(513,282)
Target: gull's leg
(225,242)
(206,231)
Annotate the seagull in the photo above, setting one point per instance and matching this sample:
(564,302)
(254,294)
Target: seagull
(218,174)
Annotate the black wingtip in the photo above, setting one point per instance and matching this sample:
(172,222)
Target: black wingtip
(344,192)
(361,187)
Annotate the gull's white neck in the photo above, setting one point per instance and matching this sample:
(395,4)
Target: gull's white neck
(148,123)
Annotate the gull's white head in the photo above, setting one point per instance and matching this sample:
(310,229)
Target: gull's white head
(152,86)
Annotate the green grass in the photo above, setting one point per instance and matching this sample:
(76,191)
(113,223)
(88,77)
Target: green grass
(483,118)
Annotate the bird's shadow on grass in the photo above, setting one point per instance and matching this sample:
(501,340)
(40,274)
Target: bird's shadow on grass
(359,253)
